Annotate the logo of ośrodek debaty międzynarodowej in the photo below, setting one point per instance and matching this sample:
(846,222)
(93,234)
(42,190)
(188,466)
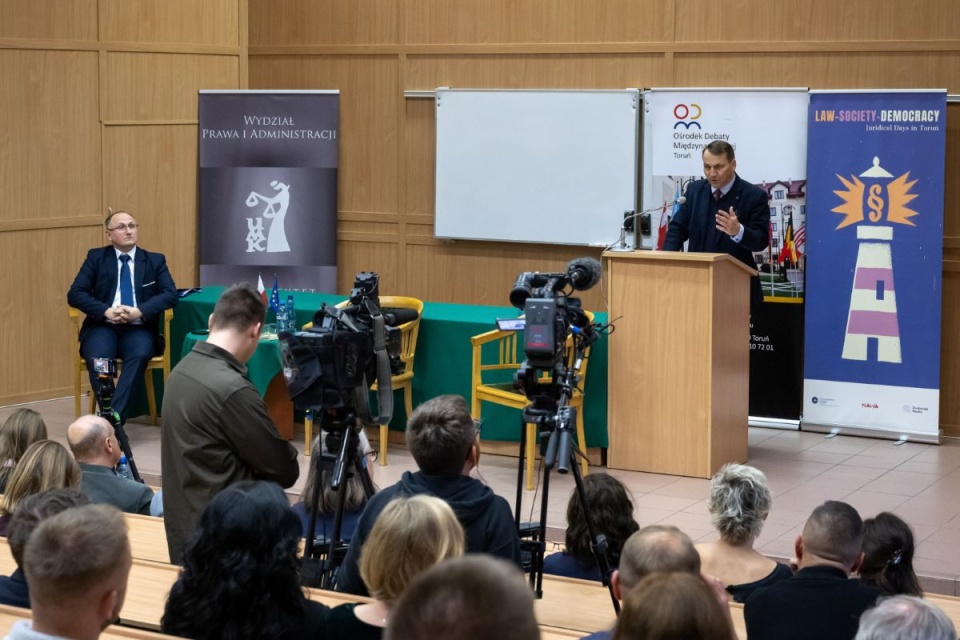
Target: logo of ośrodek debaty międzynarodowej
(275,210)
(687,115)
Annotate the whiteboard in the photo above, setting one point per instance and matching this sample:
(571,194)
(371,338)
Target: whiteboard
(551,166)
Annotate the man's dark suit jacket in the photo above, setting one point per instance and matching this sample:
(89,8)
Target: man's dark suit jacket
(696,222)
(95,287)
(817,602)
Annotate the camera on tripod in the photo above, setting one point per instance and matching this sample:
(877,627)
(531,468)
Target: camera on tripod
(106,370)
(551,313)
(333,364)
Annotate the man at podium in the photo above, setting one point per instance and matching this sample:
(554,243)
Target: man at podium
(723,214)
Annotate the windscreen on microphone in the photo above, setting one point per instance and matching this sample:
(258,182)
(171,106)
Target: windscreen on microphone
(399,316)
(583,273)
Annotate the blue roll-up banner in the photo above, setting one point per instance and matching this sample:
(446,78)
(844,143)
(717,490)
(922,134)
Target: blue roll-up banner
(268,187)
(875,176)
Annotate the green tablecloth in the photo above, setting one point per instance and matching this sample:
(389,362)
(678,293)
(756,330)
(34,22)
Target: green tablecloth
(442,363)
(263,366)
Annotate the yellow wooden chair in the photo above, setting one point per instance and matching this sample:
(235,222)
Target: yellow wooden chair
(161,362)
(408,347)
(509,357)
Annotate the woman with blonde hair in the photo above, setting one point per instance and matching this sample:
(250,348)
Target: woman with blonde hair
(45,465)
(20,430)
(739,503)
(410,536)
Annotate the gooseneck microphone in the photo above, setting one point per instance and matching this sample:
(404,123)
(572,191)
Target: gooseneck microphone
(628,234)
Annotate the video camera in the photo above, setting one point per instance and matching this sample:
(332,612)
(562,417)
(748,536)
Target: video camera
(332,365)
(551,312)
(106,370)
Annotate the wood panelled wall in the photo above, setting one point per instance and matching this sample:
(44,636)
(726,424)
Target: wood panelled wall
(98,109)
(375,50)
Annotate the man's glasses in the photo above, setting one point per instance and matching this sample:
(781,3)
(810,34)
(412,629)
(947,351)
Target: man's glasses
(123,227)
(479,426)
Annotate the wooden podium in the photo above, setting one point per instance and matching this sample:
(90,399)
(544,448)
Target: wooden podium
(679,378)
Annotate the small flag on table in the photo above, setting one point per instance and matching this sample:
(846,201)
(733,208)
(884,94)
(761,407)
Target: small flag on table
(275,296)
(261,289)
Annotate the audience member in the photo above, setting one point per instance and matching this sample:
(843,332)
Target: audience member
(820,601)
(20,430)
(241,575)
(654,549)
(673,606)
(442,438)
(77,563)
(888,556)
(410,536)
(354,500)
(95,446)
(31,512)
(739,504)
(475,597)
(216,430)
(905,618)
(612,510)
(45,465)
(123,290)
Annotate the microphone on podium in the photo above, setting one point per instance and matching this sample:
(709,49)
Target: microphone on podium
(628,233)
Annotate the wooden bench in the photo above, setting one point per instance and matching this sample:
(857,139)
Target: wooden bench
(10,615)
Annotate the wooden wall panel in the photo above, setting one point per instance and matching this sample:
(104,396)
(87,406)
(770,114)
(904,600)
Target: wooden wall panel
(549,71)
(484,272)
(162,86)
(815,20)
(37,341)
(950,353)
(536,21)
(48,98)
(381,257)
(207,22)
(308,22)
(832,70)
(369,112)
(951,215)
(49,19)
(419,156)
(151,171)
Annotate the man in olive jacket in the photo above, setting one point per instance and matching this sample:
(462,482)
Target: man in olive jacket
(216,430)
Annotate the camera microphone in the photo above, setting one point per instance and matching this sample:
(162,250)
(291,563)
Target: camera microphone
(583,273)
(399,316)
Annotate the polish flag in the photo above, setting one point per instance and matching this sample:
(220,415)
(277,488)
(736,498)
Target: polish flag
(261,289)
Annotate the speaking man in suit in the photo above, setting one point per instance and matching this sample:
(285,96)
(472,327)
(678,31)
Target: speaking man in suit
(723,214)
(123,290)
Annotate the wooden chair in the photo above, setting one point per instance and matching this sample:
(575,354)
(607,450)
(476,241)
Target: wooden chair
(161,362)
(408,347)
(509,357)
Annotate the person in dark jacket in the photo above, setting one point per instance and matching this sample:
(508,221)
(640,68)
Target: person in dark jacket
(442,438)
(820,601)
(31,512)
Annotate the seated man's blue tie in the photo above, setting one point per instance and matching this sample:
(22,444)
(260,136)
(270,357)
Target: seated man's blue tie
(126,282)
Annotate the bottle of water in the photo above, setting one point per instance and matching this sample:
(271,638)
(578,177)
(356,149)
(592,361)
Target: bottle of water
(123,468)
(281,318)
(291,315)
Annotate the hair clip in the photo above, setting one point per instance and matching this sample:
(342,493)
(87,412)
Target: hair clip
(897,556)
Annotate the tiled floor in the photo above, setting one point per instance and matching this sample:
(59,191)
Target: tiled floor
(919,482)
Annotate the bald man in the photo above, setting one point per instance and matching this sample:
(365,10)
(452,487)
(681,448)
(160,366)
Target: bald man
(820,601)
(96,448)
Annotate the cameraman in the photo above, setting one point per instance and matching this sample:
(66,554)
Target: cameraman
(443,440)
(216,430)
(123,290)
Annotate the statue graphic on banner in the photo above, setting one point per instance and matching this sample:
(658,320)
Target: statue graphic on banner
(276,211)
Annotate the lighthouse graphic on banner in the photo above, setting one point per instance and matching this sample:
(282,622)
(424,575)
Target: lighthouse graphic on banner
(873,301)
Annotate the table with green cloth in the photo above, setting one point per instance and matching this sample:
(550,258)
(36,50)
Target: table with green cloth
(443,358)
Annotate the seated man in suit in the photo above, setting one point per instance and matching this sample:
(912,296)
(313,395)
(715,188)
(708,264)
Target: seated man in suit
(820,601)
(95,447)
(123,290)
(723,214)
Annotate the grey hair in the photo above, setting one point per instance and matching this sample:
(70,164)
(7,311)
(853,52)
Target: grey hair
(739,502)
(905,618)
